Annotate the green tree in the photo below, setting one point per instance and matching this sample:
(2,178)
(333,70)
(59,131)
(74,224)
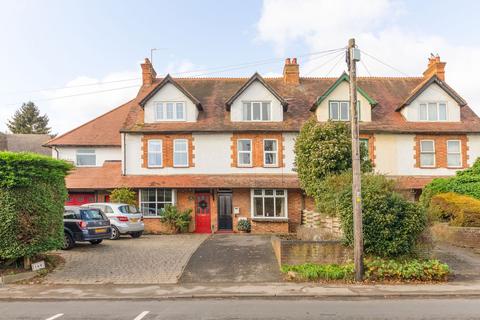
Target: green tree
(28,120)
(123,195)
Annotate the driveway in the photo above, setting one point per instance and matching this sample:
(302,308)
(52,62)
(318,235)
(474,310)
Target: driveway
(149,259)
(233,258)
(464,262)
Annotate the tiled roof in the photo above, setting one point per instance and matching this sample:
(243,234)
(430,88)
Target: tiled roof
(25,143)
(109,177)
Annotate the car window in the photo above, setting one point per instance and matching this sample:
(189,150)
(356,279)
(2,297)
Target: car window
(68,214)
(108,209)
(92,214)
(128,209)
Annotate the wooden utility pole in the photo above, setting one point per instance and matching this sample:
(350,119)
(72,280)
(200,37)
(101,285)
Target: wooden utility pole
(353,55)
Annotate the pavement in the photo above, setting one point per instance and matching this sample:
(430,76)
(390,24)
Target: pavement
(151,259)
(224,258)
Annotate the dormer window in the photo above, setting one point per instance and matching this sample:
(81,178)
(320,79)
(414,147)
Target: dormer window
(432,111)
(340,110)
(170,111)
(257,111)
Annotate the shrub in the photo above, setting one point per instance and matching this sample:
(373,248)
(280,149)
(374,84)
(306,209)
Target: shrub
(311,271)
(124,195)
(244,225)
(176,219)
(458,210)
(32,196)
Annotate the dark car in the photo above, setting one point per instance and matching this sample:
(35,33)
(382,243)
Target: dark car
(85,224)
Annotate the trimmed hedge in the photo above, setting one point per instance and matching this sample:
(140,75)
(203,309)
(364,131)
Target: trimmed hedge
(32,195)
(456,209)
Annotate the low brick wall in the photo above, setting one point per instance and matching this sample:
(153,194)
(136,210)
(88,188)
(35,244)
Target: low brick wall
(156,226)
(265,226)
(457,236)
(317,226)
(294,252)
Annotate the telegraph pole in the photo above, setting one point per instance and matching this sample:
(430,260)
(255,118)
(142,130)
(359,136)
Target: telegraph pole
(353,55)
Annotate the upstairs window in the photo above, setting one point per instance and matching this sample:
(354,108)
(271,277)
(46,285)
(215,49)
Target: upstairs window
(270,153)
(86,157)
(170,111)
(427,153)
(180,153)
(454,155)
(244,147)
(432,111)
(340,110)
(155,157)
(256,111)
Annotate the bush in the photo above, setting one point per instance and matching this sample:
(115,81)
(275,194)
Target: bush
(124,195)
(244,225)
(311,271)
(32,196)
(458,210)
(176,219)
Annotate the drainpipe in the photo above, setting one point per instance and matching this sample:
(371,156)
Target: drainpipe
(56,151)
(124,155)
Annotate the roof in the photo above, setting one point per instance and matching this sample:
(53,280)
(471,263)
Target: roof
(109,177)
(25,143)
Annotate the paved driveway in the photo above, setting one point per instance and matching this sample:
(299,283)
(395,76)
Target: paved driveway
(233,258)
(149,259)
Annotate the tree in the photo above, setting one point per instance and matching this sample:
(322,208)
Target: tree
(123,195)
(28,120)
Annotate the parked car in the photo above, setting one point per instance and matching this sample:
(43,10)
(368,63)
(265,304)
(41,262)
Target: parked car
(124,218)
(84,224)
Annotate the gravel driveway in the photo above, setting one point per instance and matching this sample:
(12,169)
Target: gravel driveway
(149,259)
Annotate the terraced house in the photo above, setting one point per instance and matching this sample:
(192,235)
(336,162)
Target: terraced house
(224,146)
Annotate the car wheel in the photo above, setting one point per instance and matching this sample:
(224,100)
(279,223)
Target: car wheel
(137,234)
(98,241)
(115,233)
(68,242)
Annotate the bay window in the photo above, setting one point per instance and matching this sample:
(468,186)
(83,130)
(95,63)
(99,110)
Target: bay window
(269,203)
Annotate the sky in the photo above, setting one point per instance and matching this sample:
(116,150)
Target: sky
(78,59)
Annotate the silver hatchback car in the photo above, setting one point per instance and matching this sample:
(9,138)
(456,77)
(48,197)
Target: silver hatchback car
(124,218)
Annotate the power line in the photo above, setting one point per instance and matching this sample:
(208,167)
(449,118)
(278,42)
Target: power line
(325,63)
(365,66)
(385,64)
(336,63)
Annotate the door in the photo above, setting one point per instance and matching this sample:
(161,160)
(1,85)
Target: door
(225,211)
(202,213)
(77,199)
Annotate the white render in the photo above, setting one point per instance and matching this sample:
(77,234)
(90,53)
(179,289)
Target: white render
(432,94)
(256,92)
(102,153)
(170,93)
(341,92)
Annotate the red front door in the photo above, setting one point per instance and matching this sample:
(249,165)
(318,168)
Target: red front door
(202,213)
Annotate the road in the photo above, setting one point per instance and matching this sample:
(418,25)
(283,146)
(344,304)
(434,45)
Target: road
(243,309)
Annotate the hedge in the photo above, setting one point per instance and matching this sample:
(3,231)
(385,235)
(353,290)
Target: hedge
(456,209)
(32,195)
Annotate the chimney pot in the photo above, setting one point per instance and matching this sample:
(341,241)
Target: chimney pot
(287,61)
(435,67)
(294,61)
(291,72)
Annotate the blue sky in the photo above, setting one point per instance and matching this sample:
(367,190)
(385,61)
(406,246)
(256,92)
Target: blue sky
(53,44)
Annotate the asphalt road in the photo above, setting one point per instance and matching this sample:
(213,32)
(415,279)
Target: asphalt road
(243,309)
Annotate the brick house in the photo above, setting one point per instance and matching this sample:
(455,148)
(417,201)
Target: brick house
(224,146)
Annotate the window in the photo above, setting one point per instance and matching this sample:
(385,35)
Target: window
(256,111)
(244,147)
(270,153)
(454,155)
(340,110)
(364,145)
(433,111)
(86,157)
(170,111)
(427,153)
(180,153)
(154,201)
(269,203)
(155,157)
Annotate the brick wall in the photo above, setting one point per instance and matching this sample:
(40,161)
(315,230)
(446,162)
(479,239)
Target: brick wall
(257,148)
(167,151)
(371,146)
(457,236)
(441,149)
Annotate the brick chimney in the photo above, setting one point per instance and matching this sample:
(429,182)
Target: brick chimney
(148,73)
(435,67)
(291,72)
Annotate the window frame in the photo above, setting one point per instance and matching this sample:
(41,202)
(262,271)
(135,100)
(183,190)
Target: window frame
(157,215)
(427,114)
(263,196)
(251,103)
(174,111)
(186,152)
(339,103)
(460,165)
(155,152)
(265,164)
(79,153)
(239,164)
(429,152)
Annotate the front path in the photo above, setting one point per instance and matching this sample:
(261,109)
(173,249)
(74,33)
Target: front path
(147,260)
(233,258)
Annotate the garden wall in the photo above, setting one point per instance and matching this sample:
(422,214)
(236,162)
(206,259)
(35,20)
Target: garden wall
(458,236)
(316,226)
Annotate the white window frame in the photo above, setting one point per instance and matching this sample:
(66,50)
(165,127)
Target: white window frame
(140,202)
(251,103)
(163,105)
(455,153)
(271,152)
(339,102)
(437,109)
(175,151)
(429,152)
(155,152)
(239,164)
(252,203)
(81,152)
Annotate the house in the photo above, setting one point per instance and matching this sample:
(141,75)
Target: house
(25,143)
(223,147)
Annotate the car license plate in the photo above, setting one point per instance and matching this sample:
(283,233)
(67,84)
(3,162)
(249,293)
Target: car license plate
(103,230)
(134,219)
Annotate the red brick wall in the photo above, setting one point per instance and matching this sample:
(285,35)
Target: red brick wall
(167,144)
(441,149)
(257,148)
(371,145)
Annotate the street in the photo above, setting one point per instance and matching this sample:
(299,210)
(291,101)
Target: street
(244,309)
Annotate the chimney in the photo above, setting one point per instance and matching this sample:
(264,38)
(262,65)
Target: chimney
(291,72)
(148,73)
(435,67)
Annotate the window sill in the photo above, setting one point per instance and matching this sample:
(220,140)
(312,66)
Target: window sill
(277,220)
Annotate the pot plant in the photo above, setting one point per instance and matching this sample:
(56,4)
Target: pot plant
(244,225)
